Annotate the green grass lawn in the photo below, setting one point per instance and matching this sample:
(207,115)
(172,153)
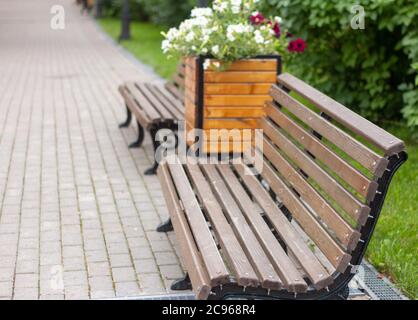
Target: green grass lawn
(394,246)
(393,249)
(145,44)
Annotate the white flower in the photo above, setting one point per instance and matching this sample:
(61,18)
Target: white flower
(190,36)
(204,50)
(278,19)
(217,64)
(172,34)
(165,46)
(206,64)
(236,6)
(235,9)
(215,49)
(220,6)
(201,12)
(230,37)
(258,37)
(234,29)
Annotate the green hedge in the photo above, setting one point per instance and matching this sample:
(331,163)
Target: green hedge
(161,12)
(373,70)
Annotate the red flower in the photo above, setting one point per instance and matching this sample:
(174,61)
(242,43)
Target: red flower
(257,18)
(276,29)
(297,45)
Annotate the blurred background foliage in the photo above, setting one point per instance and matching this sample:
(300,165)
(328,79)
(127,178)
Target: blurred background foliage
(373,71)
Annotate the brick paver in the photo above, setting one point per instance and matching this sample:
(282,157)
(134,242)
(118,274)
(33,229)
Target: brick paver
(77,217)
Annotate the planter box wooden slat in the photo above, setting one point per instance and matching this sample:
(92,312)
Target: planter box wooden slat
(229,99)
(237,88)
(233,112)
(235,100)
(240,76)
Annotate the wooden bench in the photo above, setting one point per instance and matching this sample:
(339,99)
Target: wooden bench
(299,228)
(155,107)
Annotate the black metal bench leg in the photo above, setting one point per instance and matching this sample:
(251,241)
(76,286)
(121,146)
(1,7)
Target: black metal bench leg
(141,135)
(151,171)
(165,226)
(182,283)
(128,119)
(343,294)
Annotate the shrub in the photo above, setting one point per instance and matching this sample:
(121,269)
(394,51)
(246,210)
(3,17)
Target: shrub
(113,8)
(374,71)
(162,12)
(167,12)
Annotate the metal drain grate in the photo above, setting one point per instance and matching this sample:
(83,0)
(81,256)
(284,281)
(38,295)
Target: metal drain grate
(164,296)
(377,287)
(367,283)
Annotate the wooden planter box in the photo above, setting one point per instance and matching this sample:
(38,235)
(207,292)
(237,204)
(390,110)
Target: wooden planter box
(230,99)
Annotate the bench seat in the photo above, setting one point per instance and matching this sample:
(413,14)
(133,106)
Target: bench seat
(235,235)
(154,106)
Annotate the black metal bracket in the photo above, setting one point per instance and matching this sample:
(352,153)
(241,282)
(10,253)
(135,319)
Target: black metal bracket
(182,283)
(153,131)
(128,120)
(140,139)
(155,143)
(165,226)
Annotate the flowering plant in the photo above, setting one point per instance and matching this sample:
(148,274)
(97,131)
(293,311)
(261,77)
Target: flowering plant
(229,31)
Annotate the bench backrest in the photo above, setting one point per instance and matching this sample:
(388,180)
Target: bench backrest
(177,83)
(325,164)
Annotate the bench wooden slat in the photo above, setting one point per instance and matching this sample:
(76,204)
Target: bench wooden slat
(179,81)
(317,274)
(167,103)
(237,259)
(175,101)
(215,266)
(372,133)
(335,254)
(268,276)
(287,271)
(175,91)
(349,174)
(365,156)
(190,254)
(158,106)
(143,102)
(345,199)
(343,231)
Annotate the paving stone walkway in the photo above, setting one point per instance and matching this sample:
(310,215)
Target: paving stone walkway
(77,217)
